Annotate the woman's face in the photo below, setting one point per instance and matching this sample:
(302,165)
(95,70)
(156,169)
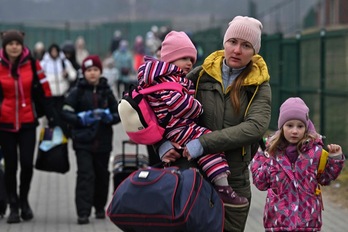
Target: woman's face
(294,131)
(54,53)
(13,50)
(238,52)
(92,75)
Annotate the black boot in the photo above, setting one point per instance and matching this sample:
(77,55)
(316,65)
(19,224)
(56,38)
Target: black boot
(26,213)
(14,210)
(100,213)
(14,216)
(82,220)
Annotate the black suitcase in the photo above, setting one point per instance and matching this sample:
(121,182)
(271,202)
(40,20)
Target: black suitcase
(125,163)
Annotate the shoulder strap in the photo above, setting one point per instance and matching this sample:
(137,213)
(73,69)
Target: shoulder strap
(163,86)
(33,66)
(63,64)
(321,168)
(322,161)
(196,77)
(251,96)
(36,80)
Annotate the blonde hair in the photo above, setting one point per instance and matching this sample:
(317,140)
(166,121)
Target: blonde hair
(278,142)
(236,86)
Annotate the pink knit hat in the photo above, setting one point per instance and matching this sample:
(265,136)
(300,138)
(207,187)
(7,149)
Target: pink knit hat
(247,28)
(177,45)
(293,108)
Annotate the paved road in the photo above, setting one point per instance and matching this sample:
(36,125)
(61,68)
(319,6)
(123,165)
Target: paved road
(52,200)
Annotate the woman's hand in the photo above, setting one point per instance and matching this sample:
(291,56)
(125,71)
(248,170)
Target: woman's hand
(172,155)
(186,154)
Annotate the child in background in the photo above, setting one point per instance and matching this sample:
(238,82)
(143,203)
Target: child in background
(110,72)
(91,109)
(287,170)
(178,55)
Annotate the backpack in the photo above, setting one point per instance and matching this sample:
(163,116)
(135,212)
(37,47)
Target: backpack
(74,82)
(137,117)
(321,168)
(322,161)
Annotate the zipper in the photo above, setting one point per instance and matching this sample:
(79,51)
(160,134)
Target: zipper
(16,105)
(56,76)
(95,97)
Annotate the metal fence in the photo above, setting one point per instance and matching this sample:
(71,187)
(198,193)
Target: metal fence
(313,66)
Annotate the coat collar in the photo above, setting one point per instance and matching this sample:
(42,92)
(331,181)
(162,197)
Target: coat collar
(259,74)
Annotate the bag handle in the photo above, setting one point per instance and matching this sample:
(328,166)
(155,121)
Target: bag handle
(162,86)
(322,161)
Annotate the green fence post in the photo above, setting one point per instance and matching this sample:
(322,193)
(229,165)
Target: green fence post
(298,63)
(322,80)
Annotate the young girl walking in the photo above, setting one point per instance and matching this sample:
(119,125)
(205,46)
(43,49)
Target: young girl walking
(287,170)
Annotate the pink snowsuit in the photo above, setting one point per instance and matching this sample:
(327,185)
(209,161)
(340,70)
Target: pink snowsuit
(184,108)
(291,203)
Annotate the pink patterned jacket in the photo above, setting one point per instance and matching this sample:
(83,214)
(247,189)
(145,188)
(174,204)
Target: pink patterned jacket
(291,203)
(183,108)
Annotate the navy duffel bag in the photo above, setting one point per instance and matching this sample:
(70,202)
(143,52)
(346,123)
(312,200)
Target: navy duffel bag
(169,199)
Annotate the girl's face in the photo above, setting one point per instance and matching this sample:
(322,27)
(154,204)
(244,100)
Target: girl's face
(294,131)
(238,53)
(92,75)
(185,63)
(13,49)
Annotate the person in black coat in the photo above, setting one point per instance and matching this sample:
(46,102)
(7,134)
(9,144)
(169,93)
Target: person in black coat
(91,110)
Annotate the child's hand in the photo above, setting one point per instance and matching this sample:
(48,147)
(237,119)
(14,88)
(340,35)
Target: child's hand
(186,154)
(97,113)
(334,149)
(172,155)
(106,116)
(87,118)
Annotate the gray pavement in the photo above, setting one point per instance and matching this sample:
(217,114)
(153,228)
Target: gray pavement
(52,200)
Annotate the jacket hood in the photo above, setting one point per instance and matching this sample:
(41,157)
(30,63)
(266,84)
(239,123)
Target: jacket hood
(259,74)
(83,83)
(23,57)
(48,57)
(153,68)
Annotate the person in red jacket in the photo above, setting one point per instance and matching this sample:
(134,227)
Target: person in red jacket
(18,118)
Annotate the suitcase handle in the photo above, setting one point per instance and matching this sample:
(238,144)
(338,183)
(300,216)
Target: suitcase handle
(129,142)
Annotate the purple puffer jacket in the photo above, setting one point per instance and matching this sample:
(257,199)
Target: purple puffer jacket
(291,203)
